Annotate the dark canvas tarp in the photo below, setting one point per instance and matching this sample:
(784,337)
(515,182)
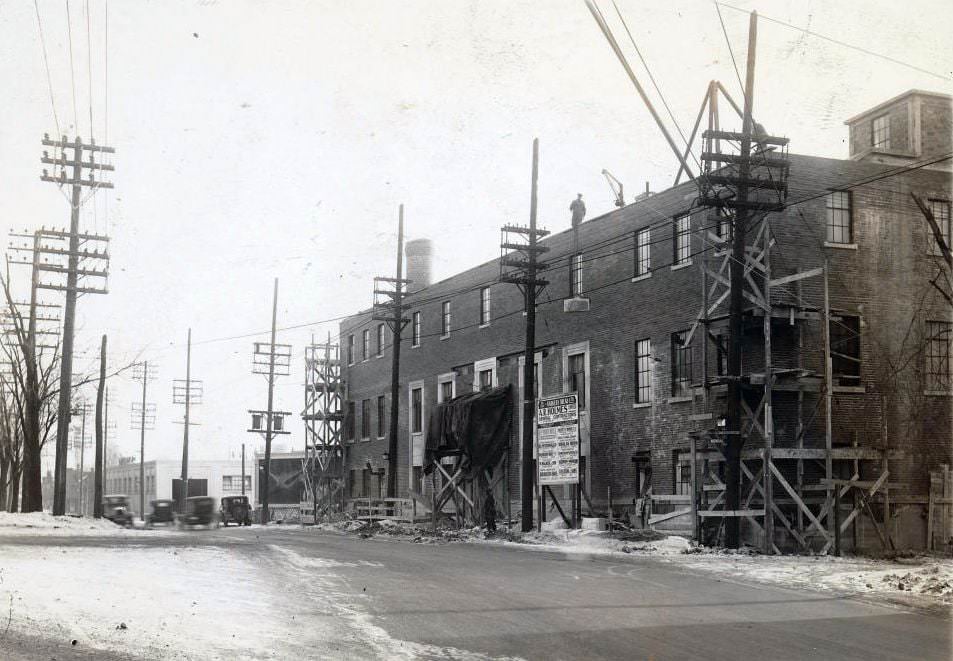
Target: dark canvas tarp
(478,424)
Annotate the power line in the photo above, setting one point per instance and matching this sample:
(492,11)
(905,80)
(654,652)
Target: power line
(72,72)
(841,43)
(46,63)
(731,52)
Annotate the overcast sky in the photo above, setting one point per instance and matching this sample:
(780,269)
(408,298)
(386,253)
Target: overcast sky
(276,139)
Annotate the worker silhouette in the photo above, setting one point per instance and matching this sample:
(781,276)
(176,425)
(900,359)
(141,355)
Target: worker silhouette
(489,511)
(578,209)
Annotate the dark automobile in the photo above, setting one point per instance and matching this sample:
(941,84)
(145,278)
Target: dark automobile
(199,511)
(163,511)
(235,509)
(116,509)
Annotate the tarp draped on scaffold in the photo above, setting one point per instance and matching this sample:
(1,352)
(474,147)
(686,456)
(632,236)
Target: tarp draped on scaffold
(478,424)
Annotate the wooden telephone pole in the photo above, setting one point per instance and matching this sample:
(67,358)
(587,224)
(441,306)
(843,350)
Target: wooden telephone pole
(186,391)
(389,308)
(100,434)
(77,182)
(519,265)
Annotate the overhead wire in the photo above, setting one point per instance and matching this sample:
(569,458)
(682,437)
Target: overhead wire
(72,71)
(731,52)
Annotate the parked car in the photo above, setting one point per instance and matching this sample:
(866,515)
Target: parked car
(235,509)
(116,509)
(163,511)
(199,511)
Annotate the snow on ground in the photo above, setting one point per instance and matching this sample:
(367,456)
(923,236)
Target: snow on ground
(41,523)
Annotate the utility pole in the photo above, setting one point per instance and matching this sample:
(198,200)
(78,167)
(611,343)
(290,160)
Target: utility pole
(734,440)
(389,308)
(188,392)
(105,434)
(143,418)
(100,434)
(519,265)
(69,312)
(243,469)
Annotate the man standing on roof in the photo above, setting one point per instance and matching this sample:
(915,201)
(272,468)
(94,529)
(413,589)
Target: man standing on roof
(578,209)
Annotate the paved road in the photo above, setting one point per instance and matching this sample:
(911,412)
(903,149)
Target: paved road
(449,600)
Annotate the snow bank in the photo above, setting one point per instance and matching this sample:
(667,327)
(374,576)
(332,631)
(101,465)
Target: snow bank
(41,523)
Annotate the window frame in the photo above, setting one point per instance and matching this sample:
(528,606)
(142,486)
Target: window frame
(365,419)
(350,412)
(643,252)
(575,275)
(366,344)
(883,129)
(837,334)
(643,371)
(937,370)
(350,349)
(487,364)
(417,410)
(444,379)
(485,306)
(415,327)
(945,223)
(834,215)
(380,340)
(583,398)
(445,319)
(682,240)
(683,365)
(381,416)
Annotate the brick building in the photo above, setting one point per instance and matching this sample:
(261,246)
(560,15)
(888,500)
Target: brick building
(643,389)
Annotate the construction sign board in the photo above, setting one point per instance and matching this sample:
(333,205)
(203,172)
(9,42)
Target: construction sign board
(557,439)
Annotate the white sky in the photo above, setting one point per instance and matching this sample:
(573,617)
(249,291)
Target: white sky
(275,139)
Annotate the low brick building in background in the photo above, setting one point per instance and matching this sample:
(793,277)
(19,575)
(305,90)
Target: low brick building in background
(643,390)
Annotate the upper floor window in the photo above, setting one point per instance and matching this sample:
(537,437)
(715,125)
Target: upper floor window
(839,224)
(380,339)
(682,240)
(941,214)
(349,422)
(681,365)
(643,371)
(939,335)
(577,378)
(445,319)
(350,349)
(484,306)
(845,350)
(365,419)
(366,344)
(445,392)
(486,379)
(721,223)
(575,276)
(417,411)
(381,417)
(643,252)
(880,132)
(415,330)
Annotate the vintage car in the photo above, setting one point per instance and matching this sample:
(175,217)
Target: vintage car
(235,509)
(199,511)
(116,509)
(163,511)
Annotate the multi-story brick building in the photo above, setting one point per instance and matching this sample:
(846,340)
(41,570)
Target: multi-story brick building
(643,391)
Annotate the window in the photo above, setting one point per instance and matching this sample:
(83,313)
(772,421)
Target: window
(577,378)
(486,379)
(415,331)
(643,252)
(380,339)
(350,349)
(721,220)
(839,226)
(365,419)
(880,132)
(845,350)
(681,365)
(278,422)
(575,276)
(941,214)
(381,416)
(234,483)
(938,338)
(256,421)
(366,344)
(417,411)
(484,306)
(445,319)
(446,391)
(683,474)
(643,371)
(682,240)
(349,422)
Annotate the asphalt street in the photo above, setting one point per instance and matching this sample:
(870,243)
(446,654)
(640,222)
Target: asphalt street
(447,600)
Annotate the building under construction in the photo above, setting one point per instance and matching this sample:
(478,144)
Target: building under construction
(846,378)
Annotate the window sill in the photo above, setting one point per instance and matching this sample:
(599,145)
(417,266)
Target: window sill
(380,355)
(644,276)
(858,390)
(445,337)
(366,440)
(938,393)
(679,400)
(676,267)
(486,325)
(641,405)
(414,346)
(381,438)
(841,246)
